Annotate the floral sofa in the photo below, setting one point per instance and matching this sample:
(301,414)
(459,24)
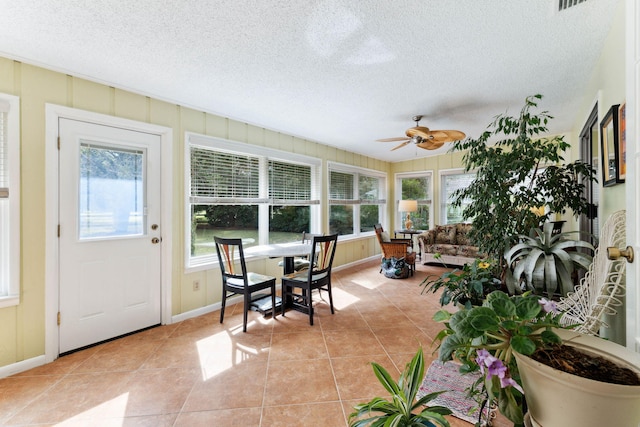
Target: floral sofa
(451,241)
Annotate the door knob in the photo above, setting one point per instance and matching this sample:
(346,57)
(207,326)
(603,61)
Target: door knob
(155,240)
(615,253)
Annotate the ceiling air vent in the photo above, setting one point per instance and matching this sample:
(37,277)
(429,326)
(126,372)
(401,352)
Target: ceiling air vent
(566,4)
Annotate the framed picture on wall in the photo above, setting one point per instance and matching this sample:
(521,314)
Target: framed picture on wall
(622,145)
(609,146)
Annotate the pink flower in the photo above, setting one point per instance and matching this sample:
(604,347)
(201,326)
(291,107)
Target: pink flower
(492,366)
(508,381)
(548,306)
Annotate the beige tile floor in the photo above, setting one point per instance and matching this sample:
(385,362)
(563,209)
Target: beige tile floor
(199,372)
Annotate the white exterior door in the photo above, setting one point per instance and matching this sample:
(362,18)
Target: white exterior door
(109,244)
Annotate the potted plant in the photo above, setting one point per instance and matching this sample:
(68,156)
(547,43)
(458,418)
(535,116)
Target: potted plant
(503,335)
(546,261)
(517,168)
(464,287)
(401,411)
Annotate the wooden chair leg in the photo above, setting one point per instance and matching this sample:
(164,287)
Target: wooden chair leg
(284,297)
(224,304)
(330,297)
(309,301)
(273,301)
(247,303)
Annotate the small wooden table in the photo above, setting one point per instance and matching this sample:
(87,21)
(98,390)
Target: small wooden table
(411,233)
(405,232)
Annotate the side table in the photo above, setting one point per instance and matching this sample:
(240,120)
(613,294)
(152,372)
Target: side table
(411,233)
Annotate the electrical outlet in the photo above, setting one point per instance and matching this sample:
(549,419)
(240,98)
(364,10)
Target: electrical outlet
(196,285)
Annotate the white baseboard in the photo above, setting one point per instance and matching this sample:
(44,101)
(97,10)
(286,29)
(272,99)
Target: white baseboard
(25,365)
(358,262)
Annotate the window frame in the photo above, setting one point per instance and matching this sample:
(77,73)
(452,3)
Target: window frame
(399,222)
(357,201)
(265,156)
(444,201)
(10,242)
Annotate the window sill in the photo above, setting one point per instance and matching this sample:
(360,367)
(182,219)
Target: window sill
(9,301)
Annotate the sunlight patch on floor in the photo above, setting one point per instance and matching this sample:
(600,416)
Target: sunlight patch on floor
(365,283)
(115,408)
(223,351)
(343,299)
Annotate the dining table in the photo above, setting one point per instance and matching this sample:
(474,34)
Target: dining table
(286,251)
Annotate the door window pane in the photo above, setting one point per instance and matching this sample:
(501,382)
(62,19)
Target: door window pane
(111,192)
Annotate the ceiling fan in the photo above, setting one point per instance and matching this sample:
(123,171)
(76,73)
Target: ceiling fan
(425,138)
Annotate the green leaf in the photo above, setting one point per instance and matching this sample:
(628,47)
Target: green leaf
(523,345)
(504,307)
(442,316)
(509,407)
(528,308)
(385,379)
(450,344)
(550,337)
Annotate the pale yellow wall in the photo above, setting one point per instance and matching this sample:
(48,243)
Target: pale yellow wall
(22,334)
(607,86)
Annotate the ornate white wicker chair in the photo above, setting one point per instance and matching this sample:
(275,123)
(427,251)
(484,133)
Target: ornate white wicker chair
(601,290)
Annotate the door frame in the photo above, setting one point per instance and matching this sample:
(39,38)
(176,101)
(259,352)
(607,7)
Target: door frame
(52,115)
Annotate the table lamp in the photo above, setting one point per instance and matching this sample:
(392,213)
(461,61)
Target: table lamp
(408,206)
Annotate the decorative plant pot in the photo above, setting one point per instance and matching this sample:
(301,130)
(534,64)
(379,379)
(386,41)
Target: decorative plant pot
(560,399)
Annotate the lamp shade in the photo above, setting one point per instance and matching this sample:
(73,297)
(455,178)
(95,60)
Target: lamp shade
(408,206)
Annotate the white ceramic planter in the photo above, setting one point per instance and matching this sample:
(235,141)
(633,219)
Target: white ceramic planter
(560,399)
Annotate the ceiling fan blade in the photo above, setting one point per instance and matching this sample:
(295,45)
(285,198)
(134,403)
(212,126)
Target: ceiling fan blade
(430,145)
(400,138)
(401,145)
(451,135)
(418,131)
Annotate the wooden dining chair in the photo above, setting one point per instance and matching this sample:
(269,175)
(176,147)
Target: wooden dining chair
(236,280)
(318,276)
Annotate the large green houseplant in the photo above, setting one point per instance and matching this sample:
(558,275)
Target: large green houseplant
(517,169)
(546,262)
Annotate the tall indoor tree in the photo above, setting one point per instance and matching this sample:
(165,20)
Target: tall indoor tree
(518,170)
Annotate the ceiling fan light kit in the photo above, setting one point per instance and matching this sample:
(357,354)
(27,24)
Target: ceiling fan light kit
(425,138)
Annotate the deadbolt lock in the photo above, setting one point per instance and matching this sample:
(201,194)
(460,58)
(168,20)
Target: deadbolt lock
(154,226)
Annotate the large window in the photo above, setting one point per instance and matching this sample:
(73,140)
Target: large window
(9,200)
(451,181)
(239,190)
(415,186)
(356,201)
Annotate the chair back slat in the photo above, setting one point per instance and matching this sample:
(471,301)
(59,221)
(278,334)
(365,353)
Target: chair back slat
(323,248)
(231,258)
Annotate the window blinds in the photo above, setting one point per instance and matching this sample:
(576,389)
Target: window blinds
(290,184)
(227,178)
(218,177)
(341,188)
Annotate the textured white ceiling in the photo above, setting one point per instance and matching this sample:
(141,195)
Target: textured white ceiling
(340,72)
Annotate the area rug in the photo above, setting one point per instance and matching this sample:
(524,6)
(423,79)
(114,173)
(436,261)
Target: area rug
(446,376)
